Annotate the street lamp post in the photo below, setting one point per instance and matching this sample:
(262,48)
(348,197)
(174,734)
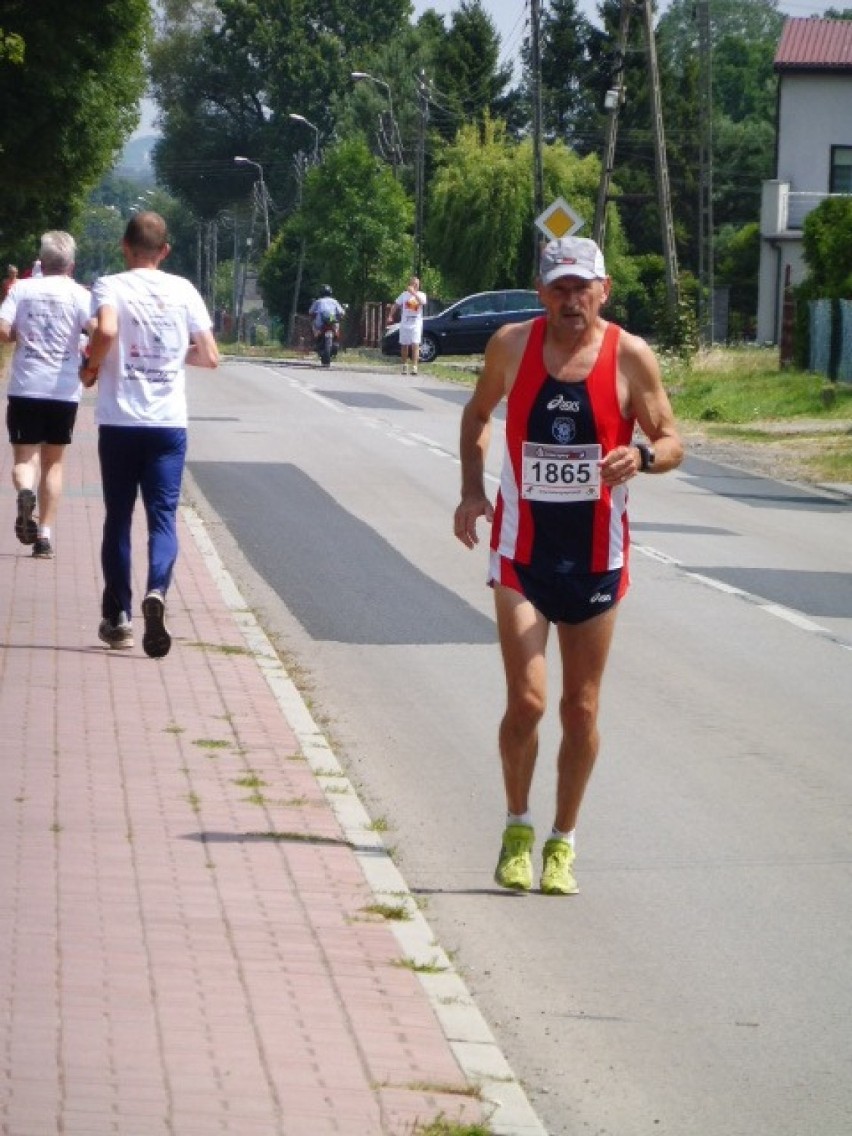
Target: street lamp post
(307,122)
(300,176)
(240,160)
(395,141)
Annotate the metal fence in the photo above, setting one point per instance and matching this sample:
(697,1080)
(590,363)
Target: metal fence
(831,339)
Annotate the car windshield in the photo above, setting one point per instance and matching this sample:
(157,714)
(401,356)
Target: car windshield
(480,305)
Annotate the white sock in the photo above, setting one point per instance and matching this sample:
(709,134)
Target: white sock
(44,531)
(523,818)
(568,837)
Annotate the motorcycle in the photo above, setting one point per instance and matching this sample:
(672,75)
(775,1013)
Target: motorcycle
(327,340)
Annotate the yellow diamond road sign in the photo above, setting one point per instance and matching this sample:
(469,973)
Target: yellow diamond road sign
(559,220)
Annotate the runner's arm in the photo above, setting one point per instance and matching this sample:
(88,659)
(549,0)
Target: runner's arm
(203,351)
(494,381)
(648,401)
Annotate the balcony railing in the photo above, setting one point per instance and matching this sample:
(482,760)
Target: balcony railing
(800,204)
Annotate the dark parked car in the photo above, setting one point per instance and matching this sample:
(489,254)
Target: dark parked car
(466,326)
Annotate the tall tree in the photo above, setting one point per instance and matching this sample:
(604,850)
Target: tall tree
(744,35)
(470,82)
(228,73)
(570,78)
(68,108)
(480,231)
(354,218)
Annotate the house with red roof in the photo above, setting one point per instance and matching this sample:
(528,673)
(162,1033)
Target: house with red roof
(813,152)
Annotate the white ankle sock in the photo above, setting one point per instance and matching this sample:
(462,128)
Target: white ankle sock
(524,818)
(568,837)
(44,531)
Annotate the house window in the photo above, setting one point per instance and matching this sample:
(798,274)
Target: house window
(841,170)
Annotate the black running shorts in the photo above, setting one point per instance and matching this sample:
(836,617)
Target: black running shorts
(36,421)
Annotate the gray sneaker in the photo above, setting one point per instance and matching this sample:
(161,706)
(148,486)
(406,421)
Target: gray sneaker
(156,642)
(26,530)
(118,635)
(42,549)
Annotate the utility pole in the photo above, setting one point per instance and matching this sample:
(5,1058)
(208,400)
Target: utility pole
(613,104)
(706,281)
(664,196)
(538,165)
(420,169)
(301,164)
(615,98)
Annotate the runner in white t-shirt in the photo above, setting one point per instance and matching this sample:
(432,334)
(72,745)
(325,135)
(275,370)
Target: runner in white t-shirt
(409,307)
(45,317)
(150,324)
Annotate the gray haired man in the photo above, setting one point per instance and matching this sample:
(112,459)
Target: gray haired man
(44,316)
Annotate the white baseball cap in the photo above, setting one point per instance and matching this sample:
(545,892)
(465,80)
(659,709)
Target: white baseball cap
(571,256)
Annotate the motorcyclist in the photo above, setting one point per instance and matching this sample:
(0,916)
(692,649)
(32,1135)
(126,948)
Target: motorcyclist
(324,310)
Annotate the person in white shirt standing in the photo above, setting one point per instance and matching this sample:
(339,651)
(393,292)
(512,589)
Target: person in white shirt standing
(149,326)
(409,308)
(44,316)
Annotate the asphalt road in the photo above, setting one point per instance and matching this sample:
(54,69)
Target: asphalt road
(702,980)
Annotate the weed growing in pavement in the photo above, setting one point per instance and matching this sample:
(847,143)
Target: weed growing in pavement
(211,743)
(380,824)
(472,1091)
(433,967)
(174,730)
(300,838)
(194,802)
(221,648)
(443,1127)
(250,781)
(394,911)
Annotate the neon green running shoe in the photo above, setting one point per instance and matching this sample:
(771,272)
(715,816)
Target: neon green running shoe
(557,860)
(514,868)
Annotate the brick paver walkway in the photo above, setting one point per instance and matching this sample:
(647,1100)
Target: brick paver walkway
(185,940)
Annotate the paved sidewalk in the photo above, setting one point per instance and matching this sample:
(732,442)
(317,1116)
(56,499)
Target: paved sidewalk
(193,931)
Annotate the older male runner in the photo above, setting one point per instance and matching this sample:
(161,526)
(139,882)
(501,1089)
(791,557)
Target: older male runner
(576,384)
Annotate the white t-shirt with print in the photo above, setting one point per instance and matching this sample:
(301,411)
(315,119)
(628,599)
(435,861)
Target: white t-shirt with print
(48,314)
(411,305)
(142,380)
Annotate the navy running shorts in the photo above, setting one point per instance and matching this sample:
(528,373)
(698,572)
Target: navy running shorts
(563,596)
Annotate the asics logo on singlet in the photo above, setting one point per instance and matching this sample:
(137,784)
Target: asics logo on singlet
(600,597)
(564,430)
(562,403)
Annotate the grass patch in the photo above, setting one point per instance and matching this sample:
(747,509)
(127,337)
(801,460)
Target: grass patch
(211,743)
(738,385)
(741,394)
(380,824)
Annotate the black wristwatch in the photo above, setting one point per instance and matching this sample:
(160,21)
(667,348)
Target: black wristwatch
(646,456)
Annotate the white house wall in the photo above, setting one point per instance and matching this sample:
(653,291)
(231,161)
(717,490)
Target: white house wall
(815,113)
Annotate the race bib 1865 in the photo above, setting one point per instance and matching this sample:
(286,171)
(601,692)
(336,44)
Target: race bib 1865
(560,473)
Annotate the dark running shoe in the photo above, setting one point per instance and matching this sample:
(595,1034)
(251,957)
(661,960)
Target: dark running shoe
(117,636)
(43,549)
(156,642)
(26,530)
